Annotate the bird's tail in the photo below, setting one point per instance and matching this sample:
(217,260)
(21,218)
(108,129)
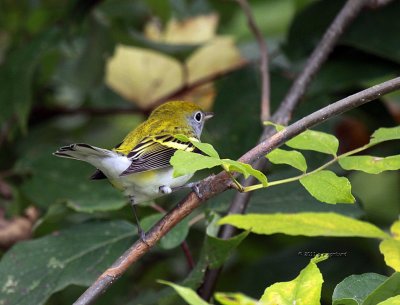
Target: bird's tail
(83,152)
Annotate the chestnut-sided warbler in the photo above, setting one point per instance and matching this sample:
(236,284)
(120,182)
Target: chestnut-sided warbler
(140,166)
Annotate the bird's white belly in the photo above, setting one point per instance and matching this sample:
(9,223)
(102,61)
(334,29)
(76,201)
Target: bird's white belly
(143,186)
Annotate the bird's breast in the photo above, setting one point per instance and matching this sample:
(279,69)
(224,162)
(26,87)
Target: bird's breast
(145,186)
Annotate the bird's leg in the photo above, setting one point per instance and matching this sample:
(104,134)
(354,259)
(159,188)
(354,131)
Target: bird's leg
(165,189)
(141,233)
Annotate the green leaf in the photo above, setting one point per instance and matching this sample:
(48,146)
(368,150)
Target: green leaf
(277,127)
(217,250)
(307,224)
(375,32)
(385,134)
(370,164)
(185,162)
(245,169)
(206,148)
(382,188)
(193,280)
(234,299)
(33,270)
(82,70)
(174,238)
(390,248)
(66,180)
(327,187)
(388,289)
(16,77)
(189,295)
(272,18)
(56,217)
(354,289)
(391,301)
(304,289)
(290,198)
(292,158)
(346,72)
(316,141)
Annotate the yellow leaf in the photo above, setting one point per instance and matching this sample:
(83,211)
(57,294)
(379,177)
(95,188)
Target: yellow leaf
(141,75)
(144,76)
(390,249)
(203,96)
(194,30)
(216,56)
(305,289)
(395,230)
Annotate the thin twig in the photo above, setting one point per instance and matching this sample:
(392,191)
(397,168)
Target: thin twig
(282,116)
(344,18)
(213,185)
(265,85)
(188,254)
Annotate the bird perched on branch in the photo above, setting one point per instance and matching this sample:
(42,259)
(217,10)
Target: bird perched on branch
(140,166)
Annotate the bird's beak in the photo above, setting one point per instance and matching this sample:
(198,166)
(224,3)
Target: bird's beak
(208,115)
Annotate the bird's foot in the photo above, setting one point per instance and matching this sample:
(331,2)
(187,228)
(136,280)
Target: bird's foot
(142,236)
(165,189)
(195,188)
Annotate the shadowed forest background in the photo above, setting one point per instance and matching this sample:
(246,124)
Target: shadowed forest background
(91,71)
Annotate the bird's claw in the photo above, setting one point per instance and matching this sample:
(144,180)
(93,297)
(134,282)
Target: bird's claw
(142,236)
(196,190)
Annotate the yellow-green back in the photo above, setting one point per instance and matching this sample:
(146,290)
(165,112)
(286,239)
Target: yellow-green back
(168,119)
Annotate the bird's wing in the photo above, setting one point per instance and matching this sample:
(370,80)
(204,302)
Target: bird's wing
(154,153)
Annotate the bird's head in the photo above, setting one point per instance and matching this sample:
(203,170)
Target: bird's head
(182,114)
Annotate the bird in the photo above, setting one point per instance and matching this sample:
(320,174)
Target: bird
(140,165)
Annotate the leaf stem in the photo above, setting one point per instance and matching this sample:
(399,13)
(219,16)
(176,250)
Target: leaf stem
(296,178)
(239,187)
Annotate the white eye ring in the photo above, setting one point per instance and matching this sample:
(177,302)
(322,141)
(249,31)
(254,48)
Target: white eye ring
(198,116)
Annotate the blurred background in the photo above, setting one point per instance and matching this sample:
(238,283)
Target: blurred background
(90,71)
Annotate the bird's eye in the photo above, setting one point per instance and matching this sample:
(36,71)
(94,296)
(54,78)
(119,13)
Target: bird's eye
(198,116)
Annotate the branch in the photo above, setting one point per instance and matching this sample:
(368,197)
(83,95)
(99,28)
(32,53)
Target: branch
(282,116)
(265,86)
(213,185)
